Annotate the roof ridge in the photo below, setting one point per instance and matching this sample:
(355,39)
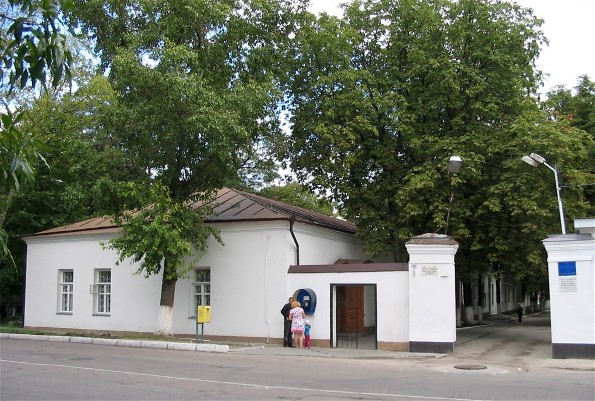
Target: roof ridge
(293,210)
(270,209)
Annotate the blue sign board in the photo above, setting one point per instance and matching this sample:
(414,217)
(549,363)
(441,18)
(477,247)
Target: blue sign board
(566,268)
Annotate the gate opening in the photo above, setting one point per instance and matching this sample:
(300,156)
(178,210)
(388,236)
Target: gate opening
(353,316)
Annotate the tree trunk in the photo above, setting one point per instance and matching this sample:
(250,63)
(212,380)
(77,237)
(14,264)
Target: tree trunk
(475,297)
(166,307)
(480,298)
(468,301)
(498,304)
(459,321)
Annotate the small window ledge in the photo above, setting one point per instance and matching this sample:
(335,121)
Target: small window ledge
(64,313)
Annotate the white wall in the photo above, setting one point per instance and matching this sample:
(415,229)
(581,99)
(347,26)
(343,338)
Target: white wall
(250,272)
(248,280)
(134,302)
(392,301)
(321,246)
(572,307)
(432,309)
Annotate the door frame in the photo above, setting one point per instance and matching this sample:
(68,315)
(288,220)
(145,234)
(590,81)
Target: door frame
(333,310)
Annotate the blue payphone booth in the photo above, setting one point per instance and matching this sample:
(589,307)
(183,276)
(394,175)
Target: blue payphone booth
(307,298)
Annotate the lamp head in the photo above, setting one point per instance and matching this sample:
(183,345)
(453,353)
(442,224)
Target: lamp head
(537,158)
(454,164)
(530,161)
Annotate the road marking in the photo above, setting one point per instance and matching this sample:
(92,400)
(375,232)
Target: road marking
(258,386)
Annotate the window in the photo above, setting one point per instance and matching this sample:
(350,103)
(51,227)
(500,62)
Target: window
(202,287)
(102,290)
(65,290)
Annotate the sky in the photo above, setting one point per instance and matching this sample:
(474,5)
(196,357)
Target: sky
(569,25)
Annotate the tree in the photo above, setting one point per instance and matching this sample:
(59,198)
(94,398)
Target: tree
(80,153)
(196,90)
(297,195)
(383,97)
(32,45)
(576,109)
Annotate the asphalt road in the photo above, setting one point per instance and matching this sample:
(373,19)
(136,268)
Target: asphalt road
(515,370)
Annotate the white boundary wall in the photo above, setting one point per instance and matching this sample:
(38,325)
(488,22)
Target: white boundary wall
(432,303)
(571,265)
(392,305)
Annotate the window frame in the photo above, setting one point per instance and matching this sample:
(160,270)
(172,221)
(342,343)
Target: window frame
(102,293)
(204,293)
(65,292)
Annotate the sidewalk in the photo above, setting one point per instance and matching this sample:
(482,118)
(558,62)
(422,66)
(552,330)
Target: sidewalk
(249,349)
(503,342)
(346,353)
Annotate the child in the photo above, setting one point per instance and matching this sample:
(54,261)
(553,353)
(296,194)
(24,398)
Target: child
(307,333)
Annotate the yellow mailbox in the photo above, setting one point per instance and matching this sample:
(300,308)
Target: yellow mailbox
(203,314)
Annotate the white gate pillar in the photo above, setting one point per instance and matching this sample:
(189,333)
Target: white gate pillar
(432,303)
(571,265)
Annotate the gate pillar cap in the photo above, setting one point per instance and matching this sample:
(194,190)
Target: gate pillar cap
(432,239)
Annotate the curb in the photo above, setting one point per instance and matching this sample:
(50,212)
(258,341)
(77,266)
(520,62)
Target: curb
(121,342)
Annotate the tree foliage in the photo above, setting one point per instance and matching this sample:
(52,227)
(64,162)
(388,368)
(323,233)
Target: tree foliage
(33,42)
(575,110)
(380,99)
(298,195)
(161,237)
(32,46)
(78,154)
(197,102)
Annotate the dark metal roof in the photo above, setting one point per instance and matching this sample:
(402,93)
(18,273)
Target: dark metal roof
(229,205)
(349,268)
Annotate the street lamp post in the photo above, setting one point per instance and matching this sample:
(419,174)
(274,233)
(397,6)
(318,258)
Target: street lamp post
(454,165)
(535,160)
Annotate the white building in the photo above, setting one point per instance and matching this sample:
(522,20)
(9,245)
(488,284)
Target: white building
(271,251)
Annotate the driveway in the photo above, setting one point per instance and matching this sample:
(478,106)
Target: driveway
(513,345)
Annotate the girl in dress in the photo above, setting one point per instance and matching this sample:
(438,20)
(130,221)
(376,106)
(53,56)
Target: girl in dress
(297,316)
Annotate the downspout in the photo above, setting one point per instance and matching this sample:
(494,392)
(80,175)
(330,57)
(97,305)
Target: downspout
(266,287)
(297,245)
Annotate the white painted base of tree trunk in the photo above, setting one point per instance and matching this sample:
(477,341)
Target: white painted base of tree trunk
(469,318)
(165,322)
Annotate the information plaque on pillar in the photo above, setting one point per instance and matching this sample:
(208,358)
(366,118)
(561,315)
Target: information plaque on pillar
(567,276)
(429,270)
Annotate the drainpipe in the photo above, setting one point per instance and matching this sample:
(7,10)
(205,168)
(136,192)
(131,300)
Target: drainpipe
(297,245)
(266,287)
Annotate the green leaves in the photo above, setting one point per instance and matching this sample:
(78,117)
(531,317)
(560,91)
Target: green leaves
(34,44)
(379,101)
(196,109)
(16,152)
(165,231)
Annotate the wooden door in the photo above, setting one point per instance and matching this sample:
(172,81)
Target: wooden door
(350,309)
